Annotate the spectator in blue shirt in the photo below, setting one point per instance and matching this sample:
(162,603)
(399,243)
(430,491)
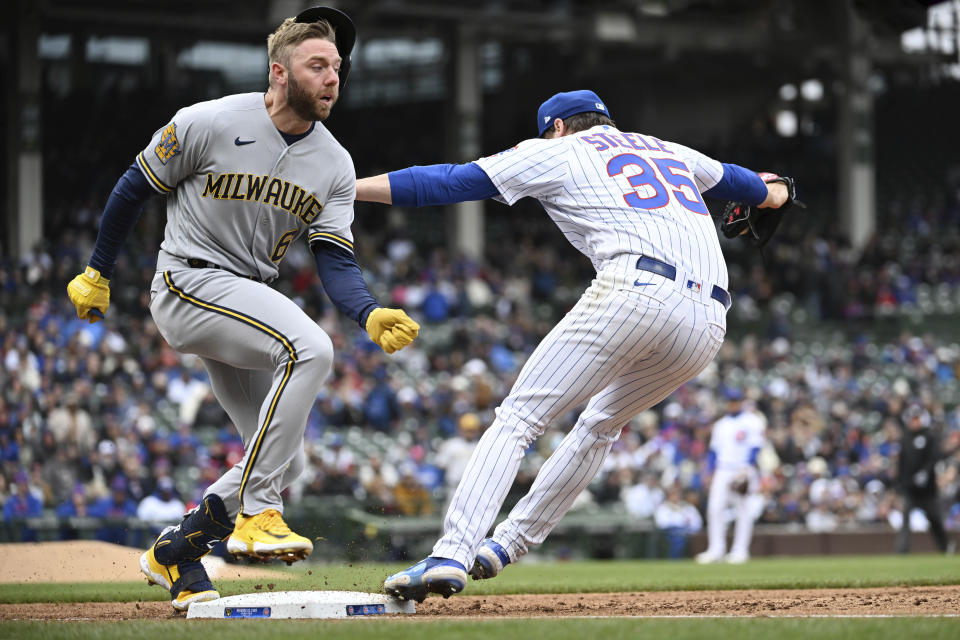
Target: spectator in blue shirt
(73,507)
(23,504)
(380,408)
(116,507)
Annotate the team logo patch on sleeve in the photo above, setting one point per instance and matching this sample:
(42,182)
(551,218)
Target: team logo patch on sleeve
(169,146)
(513,148)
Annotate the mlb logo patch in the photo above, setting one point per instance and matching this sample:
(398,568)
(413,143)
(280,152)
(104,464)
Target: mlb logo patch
(693,286)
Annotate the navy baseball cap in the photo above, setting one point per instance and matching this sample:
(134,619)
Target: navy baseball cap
(564,105)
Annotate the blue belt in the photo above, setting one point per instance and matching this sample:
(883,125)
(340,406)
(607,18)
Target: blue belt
(669,272)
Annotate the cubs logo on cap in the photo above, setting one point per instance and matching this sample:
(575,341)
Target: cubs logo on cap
(564,105)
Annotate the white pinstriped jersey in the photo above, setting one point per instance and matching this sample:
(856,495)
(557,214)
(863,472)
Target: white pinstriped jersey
(625,346)
(239,195)
(613,192)
(734,436)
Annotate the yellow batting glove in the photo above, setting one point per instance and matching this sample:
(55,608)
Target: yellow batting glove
(391,329)
(90,294)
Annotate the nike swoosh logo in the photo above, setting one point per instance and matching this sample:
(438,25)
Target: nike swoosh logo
(240,142)
(637,283)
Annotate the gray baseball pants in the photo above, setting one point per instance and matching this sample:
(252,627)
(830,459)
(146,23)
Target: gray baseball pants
(267,361)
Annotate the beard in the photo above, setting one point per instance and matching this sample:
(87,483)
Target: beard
(306,105)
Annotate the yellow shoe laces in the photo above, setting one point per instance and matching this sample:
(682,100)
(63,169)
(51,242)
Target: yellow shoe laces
(273,522)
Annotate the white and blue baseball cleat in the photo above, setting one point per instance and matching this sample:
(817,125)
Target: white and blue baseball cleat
(491,559)
(431,575)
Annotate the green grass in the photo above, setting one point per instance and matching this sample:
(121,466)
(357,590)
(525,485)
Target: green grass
(771,573)
(761,573)
(575,629)
(608,576)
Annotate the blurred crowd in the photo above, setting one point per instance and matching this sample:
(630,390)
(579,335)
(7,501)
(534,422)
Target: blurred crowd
(105,420)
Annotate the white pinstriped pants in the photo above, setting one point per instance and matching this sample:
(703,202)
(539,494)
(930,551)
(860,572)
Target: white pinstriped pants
(632,339)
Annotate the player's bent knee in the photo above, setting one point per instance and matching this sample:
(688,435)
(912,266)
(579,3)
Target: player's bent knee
(316,353)
(508,423)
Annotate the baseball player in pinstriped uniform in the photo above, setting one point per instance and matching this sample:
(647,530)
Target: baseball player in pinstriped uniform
(735,441)
(652,319)
(245,176)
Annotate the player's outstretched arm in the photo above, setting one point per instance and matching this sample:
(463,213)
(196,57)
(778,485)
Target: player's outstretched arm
(90,291)
(374,189)
(435,184)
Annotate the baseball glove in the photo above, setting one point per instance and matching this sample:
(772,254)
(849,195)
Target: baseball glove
(740,484)
(758,224)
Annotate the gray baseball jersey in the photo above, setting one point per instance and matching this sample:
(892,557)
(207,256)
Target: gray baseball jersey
(238,196)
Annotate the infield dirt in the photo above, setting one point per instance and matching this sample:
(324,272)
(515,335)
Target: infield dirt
(97,561)
(897,601)
(92,561)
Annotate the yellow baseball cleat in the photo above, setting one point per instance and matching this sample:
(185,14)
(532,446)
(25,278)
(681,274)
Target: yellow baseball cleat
(187,582)
(266,536)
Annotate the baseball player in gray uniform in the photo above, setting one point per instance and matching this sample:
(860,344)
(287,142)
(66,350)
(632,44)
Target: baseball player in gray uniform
(246,176)
(652,319)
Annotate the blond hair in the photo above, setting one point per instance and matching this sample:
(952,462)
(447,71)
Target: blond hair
(291,33)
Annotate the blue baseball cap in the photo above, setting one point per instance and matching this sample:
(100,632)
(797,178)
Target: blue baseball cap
(564,105)
(733,394)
